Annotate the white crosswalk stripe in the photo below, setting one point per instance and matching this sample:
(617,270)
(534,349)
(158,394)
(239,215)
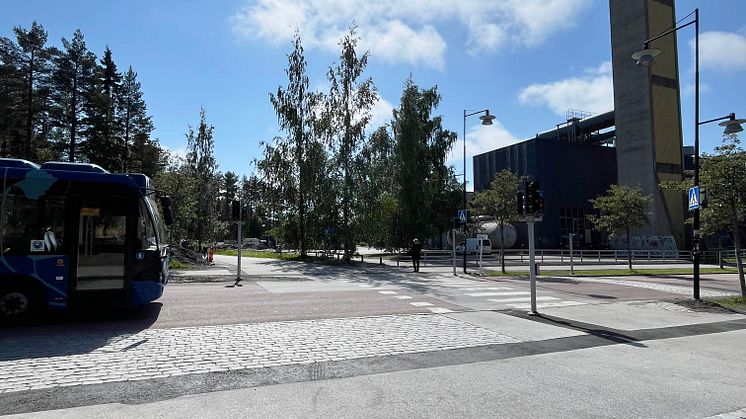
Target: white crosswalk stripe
(496,294)
(421,304)
(484,289)
(403,297)
(387,292)
(521,299)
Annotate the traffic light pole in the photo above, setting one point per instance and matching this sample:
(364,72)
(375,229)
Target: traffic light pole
(531,261)
(453,242)
(238,274)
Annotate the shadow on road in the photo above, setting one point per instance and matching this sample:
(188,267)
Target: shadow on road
(75,332)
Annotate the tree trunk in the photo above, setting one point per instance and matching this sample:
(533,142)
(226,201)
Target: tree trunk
(739,262)
(629,252)
(502,249)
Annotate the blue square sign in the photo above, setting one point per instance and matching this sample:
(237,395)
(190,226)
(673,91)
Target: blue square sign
(462,216)
(693,198)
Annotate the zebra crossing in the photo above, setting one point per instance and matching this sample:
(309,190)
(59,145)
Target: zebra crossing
(511,297)
(501,296)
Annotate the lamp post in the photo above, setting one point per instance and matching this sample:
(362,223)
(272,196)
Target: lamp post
(486,120)
(646,57)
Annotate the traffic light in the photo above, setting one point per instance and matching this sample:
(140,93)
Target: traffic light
(236,210)
(520,200)
(540,204)
(532,197)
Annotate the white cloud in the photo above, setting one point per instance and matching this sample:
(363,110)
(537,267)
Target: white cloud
(380,114)
(481,139)
(396,31)
(721,51)
(593,93)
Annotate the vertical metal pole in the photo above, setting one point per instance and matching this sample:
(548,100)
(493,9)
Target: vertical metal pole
(453,242)
(572,265)
(238,274)
(480,253)
(464,197)
(696,151)
(531,260)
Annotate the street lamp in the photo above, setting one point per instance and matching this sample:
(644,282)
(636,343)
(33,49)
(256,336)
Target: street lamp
(486,120)
(646,57)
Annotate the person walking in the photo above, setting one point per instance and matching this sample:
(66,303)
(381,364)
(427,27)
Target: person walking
(415,252)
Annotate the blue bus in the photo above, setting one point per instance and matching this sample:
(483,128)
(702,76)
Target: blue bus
(72,233)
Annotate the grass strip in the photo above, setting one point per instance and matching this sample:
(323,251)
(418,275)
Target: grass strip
(617,272)
(735,303)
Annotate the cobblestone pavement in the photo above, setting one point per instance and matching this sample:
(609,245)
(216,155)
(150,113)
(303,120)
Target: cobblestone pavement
(159,353)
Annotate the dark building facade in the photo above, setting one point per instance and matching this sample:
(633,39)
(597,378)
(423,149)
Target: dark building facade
(570,173)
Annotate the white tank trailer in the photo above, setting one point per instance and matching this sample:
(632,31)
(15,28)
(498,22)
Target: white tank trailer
(493,233)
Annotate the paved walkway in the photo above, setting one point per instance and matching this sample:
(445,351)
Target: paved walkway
(160,353)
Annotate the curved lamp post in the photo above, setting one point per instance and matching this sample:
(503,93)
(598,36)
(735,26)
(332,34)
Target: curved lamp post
(486,120)
(646,57)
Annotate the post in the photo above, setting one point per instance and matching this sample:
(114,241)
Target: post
(480,254)
(453,242)
(464,196)
(531,260)
(238,274)
(572,265)
(695,227)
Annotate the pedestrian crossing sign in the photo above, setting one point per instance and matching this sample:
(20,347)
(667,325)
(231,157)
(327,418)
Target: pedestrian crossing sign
(694,198)
(462,216)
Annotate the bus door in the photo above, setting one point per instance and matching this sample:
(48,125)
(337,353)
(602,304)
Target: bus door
(102,244)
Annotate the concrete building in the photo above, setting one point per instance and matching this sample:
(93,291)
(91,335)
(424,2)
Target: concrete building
(573,162)
(639,143)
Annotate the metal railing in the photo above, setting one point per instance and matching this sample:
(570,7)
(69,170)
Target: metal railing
(588,257)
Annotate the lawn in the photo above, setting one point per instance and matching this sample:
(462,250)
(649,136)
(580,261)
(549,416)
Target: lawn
(736,303)
(618,272)
(248,253)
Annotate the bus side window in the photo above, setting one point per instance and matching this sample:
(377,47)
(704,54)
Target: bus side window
(26,221)
(145,228)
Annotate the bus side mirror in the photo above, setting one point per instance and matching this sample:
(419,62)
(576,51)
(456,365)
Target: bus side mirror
(168,212)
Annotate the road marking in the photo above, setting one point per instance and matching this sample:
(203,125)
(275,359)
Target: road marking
(496,294)
(520,299)
(485,289)
(365,285)
(458,284)
(403,297)
(421,304)
(387,292)
(440,310)
(548,305)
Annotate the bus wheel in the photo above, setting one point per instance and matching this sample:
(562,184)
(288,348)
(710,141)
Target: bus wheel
(17,303)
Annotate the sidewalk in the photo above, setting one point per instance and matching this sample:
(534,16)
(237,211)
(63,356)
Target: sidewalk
(240,359)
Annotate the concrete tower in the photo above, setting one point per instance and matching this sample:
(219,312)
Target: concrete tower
(648,112)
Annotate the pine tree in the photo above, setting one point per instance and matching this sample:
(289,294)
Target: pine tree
(24,77)
(103,128)
(72,81)
(131,113)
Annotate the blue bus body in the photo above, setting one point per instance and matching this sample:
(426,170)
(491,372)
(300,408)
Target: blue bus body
(71,233)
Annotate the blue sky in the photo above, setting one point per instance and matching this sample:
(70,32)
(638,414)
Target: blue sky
(528,61)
